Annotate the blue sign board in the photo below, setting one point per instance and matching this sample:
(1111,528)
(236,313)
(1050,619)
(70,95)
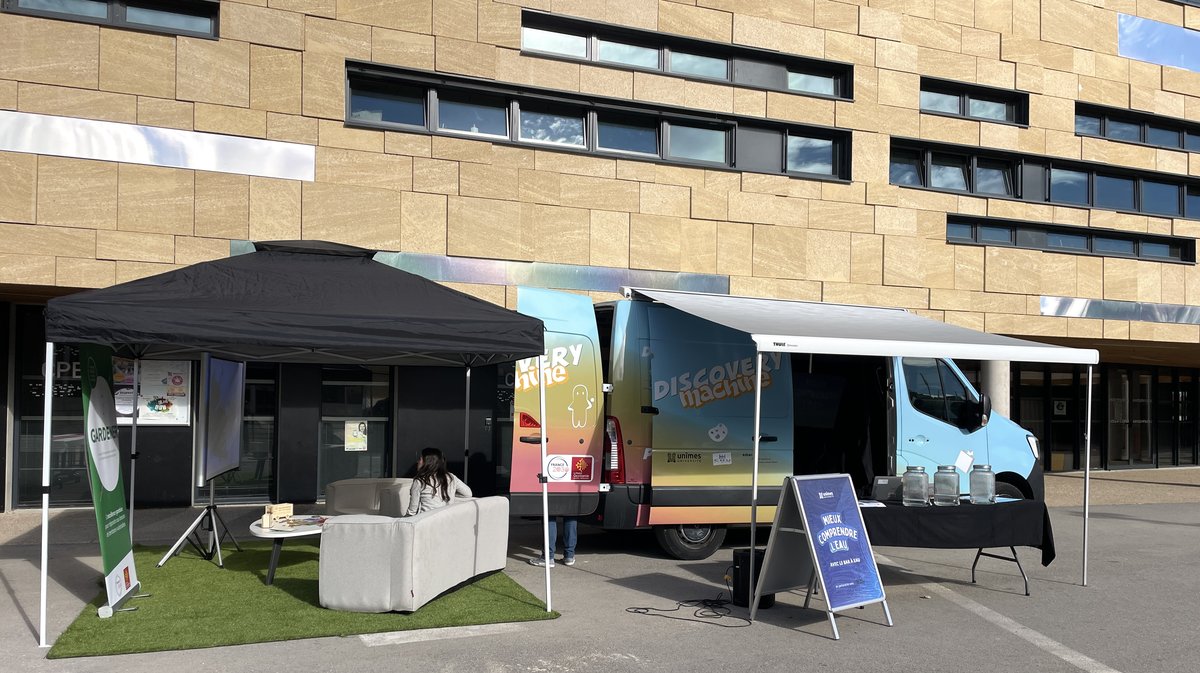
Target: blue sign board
(838,539)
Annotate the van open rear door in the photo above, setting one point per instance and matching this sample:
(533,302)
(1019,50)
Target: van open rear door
(574,408)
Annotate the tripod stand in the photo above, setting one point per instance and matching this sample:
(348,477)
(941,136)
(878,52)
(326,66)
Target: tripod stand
(213,546)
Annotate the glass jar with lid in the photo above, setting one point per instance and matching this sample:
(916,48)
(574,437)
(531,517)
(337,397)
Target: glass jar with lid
(915,487)
(983,485)
(945,485)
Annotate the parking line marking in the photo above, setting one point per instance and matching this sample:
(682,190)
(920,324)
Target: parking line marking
(1041,641)
(425,635)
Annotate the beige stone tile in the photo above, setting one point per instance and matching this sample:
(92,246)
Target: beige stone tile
(750,103)
(1141,331)
(164,113)
(275,80)
(222,206)
(1089,277)
(324,85)
(343,38)
(539,187)
(1108,219)
(435,176)
(8,95)
(949,130)
(839,16)
(364,169)
(768,209)
(655,242)
(896,221)
(135,246)
(866,258)
(1157,101)
(640,171)
(780,288)
(869,160)
(1083,328)
(881,23)
(1179,81)
(850,48)
(636,13)
(1007,270)
(933,34)
(193,250)
(697,246)
(511,66)
(292,128)
(710,204)
(605,82)
(875,295)
(609,239)
(500,24)
(486,228)
(423,223)
(213,71)
(465,58)
(262,25)
(77,193)
(337,134)
(1064,144)
(1174,284)
(486,181)
(828,255)
(1120,279)
(800,11)
(395,47)
(681,92)
(411,144)
(1075,216)
(27,269)
(659,199)
(462,149)
(681,175)
(755,31)
(456,18)
(555,234)
(25,239)
(1103,91)
(156,200)
(80,103)
(1058,275)
(274,209)
(496,294)
(140,63)
(49,52)
(18,187)
(698,22)
(1035,52)
(326,8)
(804,109)
(780,252)
(600,193)
(854,192)
(127,271)
(362,216)
(968,267)
(411,15)
(841,216)
(77,272)
(235,121)
(735,248)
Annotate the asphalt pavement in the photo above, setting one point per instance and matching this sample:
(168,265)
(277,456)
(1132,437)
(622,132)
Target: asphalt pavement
(1139,612)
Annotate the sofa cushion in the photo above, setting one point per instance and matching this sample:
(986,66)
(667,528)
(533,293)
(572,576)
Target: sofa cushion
(358,496)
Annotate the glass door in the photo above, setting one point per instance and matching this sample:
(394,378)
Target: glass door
(1186,420)
(1166,407)
(355,435)
(1065,421)
(1129,418)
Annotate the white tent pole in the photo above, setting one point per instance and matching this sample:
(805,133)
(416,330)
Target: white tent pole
(754,470)
(1087,472)
(547,550)
(133,452)
(467,429)
(47,429)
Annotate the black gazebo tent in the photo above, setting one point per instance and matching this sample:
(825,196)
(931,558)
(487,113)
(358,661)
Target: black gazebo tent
(289,301)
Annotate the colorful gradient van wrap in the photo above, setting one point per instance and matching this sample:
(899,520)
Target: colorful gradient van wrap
(574,399)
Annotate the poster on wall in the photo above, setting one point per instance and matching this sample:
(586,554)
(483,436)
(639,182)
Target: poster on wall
(166,391)
(356,435)
(104,473)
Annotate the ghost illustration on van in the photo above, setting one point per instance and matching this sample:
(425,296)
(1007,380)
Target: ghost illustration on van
(581,402)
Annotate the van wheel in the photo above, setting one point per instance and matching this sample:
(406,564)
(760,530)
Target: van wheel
(1007,490)
(690,542)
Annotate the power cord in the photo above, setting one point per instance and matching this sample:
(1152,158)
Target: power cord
(705,610)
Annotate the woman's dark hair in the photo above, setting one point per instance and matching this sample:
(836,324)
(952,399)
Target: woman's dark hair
(433,472)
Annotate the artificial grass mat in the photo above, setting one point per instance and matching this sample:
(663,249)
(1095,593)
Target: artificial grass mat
(195,604)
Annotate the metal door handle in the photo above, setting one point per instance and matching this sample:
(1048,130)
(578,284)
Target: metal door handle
(919,439)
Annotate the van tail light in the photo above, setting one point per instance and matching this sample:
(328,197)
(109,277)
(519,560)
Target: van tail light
(528,421)
(614,456)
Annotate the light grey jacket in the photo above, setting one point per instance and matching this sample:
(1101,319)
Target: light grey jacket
(424,497)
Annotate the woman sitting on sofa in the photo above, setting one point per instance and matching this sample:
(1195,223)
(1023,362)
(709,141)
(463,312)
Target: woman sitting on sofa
(434,485)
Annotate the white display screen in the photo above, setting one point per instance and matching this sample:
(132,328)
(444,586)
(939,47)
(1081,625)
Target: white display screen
(224,394)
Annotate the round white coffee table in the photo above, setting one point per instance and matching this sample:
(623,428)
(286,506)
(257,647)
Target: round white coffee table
(277,537)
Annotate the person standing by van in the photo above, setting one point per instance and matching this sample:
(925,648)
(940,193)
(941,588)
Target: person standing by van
(570,537)
(434,486)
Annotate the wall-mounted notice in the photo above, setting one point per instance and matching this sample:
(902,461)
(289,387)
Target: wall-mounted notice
(356,435)
(166,391)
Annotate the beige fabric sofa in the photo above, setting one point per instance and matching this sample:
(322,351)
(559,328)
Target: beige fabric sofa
(380,564)
(387,497)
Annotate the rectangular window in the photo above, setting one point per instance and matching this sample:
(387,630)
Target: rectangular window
(1160,198)
(1164,137)
(700,66)
(948,172)
(627,54)
(993,234)
(553,42)
(810,155)
(636,137)
(967,229)
(933,101)
(1112,246)
(398,105)
(548,127)
(825,85)
(1192,142)
(972,101)
(906,168)
(1115,192)
(983,108)
(993,177)
(1158,42)
(697,144)
(457,114)
(1068,186)
(1066,241)
(1161,250)
(960,231)
(1132,126)
(1193,203)
(183,17)
(1087,125)
(1120,130)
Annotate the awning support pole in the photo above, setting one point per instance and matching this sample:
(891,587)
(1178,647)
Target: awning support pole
(547,548)
(467,429)
(758,365)
(1087,471)
(133,452)
(47,429)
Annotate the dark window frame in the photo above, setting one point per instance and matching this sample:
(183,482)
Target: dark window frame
(1016,102)
(117,10)
(1035,236)
(376,80)
(593,31)
(1144,120)
(1035,169)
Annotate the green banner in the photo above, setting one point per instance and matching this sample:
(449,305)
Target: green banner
(104,473)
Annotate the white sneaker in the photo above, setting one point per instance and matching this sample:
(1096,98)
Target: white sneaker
(540,562)
(569,561)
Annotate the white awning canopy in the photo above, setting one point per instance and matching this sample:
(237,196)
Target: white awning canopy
(785,326)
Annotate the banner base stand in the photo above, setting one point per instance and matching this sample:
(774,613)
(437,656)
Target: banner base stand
(106,611)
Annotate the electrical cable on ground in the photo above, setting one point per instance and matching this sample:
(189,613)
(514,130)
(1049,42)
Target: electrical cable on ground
(707,610)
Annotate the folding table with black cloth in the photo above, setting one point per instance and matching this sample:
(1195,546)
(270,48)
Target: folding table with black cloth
(1018,523)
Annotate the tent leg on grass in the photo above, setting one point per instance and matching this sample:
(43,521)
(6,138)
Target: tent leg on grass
(547,547)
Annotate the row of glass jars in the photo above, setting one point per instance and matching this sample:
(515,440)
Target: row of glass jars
(946,486)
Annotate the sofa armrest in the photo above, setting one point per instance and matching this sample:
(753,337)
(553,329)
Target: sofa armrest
(393,498)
